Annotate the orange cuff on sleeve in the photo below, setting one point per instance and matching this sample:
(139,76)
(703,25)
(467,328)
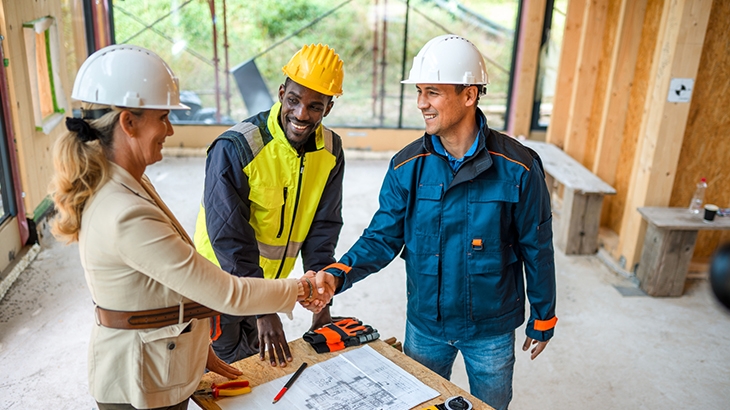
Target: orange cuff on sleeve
(339,266)
(543,325)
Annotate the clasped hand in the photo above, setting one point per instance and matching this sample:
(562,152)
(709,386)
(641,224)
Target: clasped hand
(321,286)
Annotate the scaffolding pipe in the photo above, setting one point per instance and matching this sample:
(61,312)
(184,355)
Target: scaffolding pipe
(403,64)
(376,25)
(211,3)
(226,46)
(383,62)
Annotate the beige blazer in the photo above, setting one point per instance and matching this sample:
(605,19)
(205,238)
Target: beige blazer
(136,256)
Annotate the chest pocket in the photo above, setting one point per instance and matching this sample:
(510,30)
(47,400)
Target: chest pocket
(267,205)
(428,209)
(490,204)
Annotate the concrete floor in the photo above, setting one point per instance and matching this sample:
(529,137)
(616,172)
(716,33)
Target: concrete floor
(614,347)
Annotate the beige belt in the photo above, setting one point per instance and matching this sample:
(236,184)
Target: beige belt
(153,318)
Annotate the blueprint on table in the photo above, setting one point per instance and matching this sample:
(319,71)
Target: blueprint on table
(361,379)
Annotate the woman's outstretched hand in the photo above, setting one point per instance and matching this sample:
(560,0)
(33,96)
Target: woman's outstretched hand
(319,287)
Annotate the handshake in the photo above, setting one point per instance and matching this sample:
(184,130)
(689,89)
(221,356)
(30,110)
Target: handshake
(316,290)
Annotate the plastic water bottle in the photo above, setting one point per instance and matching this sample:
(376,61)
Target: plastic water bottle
(695,206)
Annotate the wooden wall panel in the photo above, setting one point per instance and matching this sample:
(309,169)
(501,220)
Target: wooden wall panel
(533,16)
(610,133)
(614,205)
(677,55)
(606,67)
(566,72)
(706,145)
(75,34)
(34,147)
(589,56)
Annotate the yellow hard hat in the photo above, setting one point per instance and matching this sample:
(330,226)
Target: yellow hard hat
(318,68)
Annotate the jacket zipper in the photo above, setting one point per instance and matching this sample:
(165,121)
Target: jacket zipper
(283,209)
(294,216)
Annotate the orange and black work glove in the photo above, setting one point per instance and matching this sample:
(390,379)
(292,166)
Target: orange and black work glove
(343,333)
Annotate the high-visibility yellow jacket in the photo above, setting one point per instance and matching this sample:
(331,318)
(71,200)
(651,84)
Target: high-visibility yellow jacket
(264,202)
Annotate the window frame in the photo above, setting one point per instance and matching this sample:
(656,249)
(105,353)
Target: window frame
(47,27)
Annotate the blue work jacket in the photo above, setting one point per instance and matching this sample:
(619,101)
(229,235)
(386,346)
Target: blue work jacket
(465,236)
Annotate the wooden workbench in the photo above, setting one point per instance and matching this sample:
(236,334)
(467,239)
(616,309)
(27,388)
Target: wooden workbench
(259,372)
(668,247)
(576,230)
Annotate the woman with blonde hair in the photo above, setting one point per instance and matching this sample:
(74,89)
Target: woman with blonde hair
(153,292)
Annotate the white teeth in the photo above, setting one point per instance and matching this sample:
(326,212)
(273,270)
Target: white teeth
(429,116)
(300,128)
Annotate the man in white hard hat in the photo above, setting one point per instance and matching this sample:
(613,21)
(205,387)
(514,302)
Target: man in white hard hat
(468,209)
(273,190)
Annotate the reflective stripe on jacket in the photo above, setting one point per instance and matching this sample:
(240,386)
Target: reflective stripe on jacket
(286,200)
(465,237)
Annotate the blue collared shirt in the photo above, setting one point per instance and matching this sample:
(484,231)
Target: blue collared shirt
(455,163)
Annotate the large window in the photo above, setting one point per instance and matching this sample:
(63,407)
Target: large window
(552,41)
(42,49)
(203,40)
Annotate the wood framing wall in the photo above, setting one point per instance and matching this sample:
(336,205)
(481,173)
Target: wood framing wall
(33,147)
(611,111)
(613,115)
(705,150)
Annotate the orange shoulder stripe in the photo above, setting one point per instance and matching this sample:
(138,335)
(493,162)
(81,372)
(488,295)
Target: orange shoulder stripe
(411,159)
(543,325)
(340,266)
(509,159)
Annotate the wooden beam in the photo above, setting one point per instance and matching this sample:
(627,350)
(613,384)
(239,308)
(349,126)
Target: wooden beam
(614,206)
(528,52)
(78,34)
(606,69)
(566,72)
(589,59)
(677,55)
(613,110)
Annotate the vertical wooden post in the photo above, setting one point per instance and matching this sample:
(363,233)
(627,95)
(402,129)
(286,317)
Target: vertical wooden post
(606,66)
(586,73)
(566,72)
(615,204)
(528,52)
(619,80)
(677,55)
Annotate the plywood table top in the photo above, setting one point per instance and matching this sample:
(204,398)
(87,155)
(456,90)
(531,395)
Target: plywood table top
(258,372)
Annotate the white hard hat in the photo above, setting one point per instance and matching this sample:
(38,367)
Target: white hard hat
(448,59)
(127,76)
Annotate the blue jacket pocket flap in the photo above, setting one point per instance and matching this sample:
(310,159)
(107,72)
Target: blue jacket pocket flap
(488,191)
(432,192)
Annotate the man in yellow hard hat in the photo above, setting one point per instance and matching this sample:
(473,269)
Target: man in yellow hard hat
(273,189)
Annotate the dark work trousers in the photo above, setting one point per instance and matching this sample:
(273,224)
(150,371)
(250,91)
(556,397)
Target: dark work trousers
(239,338)
(108,406)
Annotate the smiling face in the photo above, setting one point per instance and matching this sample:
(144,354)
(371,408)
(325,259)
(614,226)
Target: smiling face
(445,111)
(302,110)
(153,128)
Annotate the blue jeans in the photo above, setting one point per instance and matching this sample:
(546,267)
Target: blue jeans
(489,361)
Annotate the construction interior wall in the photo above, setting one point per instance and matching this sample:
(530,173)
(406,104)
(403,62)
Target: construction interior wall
(33,146)
(614,115)
(610,111)
(706,145)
